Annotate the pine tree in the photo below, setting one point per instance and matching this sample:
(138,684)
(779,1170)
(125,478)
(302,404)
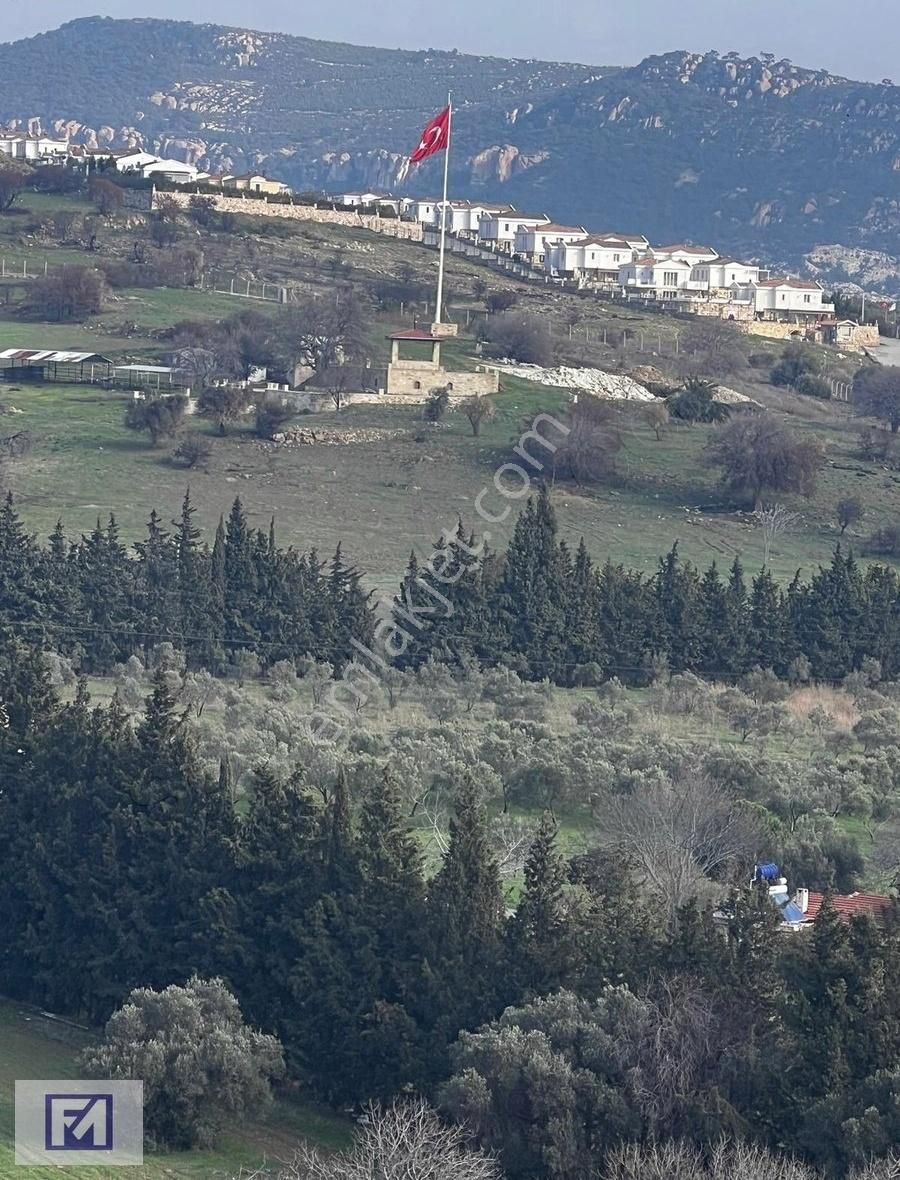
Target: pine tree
(156,587)
(715,629)
(676,589)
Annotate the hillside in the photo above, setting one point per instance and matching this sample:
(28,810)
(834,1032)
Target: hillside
(314,112)
(763,157)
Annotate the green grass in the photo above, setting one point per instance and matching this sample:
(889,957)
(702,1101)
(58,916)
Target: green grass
(383,498)
(33,1047)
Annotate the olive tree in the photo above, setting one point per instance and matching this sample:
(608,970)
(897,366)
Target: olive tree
(201,1066)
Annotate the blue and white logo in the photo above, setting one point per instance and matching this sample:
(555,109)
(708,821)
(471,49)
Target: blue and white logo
(78,1122)
(74,1123)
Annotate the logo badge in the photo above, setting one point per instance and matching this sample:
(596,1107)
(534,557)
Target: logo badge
(78,1122)
(74,1123)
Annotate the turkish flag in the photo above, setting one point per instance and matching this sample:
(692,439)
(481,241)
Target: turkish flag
(435,138)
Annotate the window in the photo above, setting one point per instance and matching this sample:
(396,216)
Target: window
(733,277)
(616,257)
(807,298)
(417,384)
(670,278)
(506,228)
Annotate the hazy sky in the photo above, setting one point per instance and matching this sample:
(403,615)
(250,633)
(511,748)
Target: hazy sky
(859,41)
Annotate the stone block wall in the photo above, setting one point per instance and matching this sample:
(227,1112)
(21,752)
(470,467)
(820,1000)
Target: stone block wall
(403,378)
(408,230)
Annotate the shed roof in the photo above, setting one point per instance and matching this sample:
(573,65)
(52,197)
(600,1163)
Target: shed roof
(36,356)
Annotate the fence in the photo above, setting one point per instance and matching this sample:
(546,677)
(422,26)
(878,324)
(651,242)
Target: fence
(841,391)
(14,269)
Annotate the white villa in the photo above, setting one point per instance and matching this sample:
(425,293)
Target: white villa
(596,258)
(19,146)
(532,242)
(790,299)
(498,230)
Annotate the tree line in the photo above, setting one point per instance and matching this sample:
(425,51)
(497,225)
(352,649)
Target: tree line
(573,1002)
(94,600)
(549,612)
(539,609)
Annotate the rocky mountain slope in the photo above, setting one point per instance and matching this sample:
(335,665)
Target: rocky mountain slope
(762,157)
(314,113)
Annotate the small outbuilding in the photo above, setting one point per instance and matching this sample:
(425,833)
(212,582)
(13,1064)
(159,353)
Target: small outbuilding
(30,364)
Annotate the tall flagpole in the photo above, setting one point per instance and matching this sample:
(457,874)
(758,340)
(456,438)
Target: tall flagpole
(440,290)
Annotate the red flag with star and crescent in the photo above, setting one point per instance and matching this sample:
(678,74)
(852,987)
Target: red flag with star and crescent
(435,138)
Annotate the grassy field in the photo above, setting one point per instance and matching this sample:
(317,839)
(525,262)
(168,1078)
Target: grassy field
(32,1046)
(383,498)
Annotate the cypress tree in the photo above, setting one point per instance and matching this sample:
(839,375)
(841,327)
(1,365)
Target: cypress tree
(465,908)
(539,936)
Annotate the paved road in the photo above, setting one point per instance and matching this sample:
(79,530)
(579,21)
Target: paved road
(889,353)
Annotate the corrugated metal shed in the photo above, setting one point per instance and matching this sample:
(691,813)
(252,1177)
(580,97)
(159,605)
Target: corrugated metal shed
(50,356)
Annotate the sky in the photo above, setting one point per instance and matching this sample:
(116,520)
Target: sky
(861,42)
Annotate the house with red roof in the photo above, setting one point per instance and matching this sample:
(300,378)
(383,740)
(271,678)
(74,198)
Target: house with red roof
(800,910)
(794,300)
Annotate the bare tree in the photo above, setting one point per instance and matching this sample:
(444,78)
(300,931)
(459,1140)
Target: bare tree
(656,414)
(478,409)
(773,522)
(758,455)
(404,1141)
(849,510)
(12,185)
(678,833)
(675,1160)
(108,197)
(876,394)
(68,293)
(201,366)
(588,452)
(327,332)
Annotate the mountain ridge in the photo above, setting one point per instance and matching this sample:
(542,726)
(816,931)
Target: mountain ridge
(762,156)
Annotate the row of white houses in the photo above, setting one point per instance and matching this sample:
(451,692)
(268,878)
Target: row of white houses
(47,149)
(696,277)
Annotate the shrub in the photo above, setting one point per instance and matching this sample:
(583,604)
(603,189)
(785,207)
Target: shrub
(797,361)
(201,1066)
(813,386)
(523,338)
(696,402)
(270,416)
(161,417)
(192,452)
(498,301)
(436,404)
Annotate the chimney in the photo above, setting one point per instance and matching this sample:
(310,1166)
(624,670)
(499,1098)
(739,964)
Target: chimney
(803,899)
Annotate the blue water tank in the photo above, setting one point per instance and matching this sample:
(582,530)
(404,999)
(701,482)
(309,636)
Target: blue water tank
(767,872)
